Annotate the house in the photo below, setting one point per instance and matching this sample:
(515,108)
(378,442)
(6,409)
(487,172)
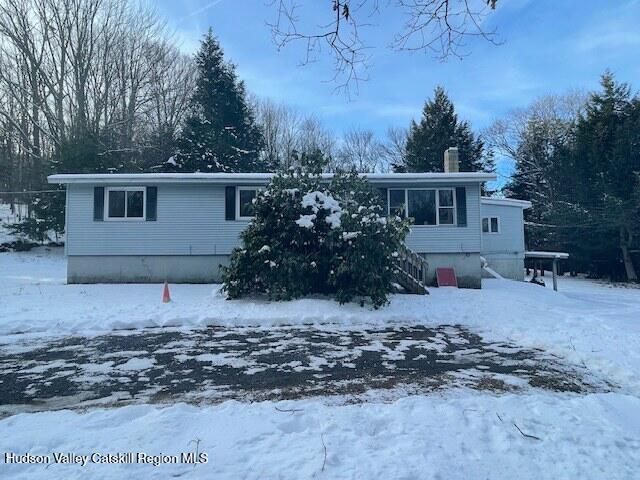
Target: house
(181,227)
(502,227)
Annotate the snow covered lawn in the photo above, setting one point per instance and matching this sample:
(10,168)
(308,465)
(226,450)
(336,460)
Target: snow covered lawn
(456,433)
(8,218)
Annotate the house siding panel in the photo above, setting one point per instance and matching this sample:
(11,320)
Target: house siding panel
(504,251)
(510,240)
(190,221)
(450,239)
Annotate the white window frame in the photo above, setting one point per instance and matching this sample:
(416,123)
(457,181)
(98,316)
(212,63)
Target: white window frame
(107,218)
(437,195)
(238,190)
(453,207)
(489,222)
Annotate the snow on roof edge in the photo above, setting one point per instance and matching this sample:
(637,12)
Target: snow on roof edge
(253,177)
(513,202)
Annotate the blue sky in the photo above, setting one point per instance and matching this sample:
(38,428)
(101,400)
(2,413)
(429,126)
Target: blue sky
(549,46)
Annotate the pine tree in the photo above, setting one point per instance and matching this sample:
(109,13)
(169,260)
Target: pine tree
(439,129)
(606,160)
(541,157)
(220,134)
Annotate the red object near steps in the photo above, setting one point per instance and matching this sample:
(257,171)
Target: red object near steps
(166,297)
(446,277)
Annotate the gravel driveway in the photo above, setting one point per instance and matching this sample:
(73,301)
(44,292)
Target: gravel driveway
(249,364)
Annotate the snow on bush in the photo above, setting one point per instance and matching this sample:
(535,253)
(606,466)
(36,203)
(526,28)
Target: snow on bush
(327,238)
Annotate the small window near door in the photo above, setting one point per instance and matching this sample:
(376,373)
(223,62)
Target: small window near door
(490,225)
(245,203)
(125,203)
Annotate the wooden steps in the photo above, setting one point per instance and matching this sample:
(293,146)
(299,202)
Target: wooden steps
(411,271)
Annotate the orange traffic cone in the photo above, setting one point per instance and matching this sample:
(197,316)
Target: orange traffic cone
(166,297)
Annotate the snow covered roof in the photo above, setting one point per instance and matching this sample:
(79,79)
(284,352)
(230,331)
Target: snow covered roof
(556,255)
(258,178)
(512,202)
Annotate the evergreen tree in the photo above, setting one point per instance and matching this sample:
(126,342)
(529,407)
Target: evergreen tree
(581,176)
(312,237)
(606,160)
(439,129)
(78,154)
(220,134)
(541,157)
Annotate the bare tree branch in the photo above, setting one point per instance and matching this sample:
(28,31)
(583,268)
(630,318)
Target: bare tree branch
(440,27)
(339,35)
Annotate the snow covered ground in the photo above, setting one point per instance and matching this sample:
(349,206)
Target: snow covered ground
(8,218)
(458,433)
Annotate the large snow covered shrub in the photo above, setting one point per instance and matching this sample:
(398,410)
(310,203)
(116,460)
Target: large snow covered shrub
(312,237)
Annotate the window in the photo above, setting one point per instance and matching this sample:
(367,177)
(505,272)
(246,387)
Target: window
(445,207)
(490,225)
(397,203)
(244,202)
(125,203)
(422,206)
(425,206)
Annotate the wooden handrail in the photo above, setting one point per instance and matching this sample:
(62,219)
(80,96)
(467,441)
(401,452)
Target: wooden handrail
(414,268)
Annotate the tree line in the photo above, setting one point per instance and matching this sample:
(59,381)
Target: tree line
(577,159)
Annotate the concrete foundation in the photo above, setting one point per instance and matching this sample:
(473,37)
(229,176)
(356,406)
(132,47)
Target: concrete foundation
(145,268)
(467,267)
(509,266)
(206,268)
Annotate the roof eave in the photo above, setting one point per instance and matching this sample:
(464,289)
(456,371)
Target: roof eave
(512,202)
(257,178)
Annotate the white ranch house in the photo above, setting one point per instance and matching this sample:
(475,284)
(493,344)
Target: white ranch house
(181,227)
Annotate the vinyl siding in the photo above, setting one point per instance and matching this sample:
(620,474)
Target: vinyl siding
(510,240)
(450,239)
(191,221)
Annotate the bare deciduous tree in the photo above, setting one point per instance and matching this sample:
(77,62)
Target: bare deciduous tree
(99,69)
(281,126)
(505,135)
(288,134)
(440,27)
(313,136)
(360,150)
(394,147)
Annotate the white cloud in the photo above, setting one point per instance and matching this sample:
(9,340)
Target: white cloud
(612,39)
(198,11)
(614,27)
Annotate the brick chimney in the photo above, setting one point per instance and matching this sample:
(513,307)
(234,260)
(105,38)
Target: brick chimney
(451,163)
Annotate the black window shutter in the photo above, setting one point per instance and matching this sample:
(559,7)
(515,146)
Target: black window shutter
(230,203)
(461,204)
(152,204)
(98,204)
